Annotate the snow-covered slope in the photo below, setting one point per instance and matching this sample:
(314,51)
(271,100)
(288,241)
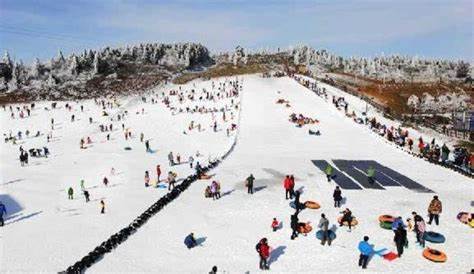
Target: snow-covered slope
(269,146)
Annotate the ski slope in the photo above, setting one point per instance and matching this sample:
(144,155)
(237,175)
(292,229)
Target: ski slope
(269,147)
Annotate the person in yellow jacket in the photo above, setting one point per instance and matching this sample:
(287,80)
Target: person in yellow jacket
(434,209)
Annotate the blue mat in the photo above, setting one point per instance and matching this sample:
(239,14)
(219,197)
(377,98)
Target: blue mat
(342,180)
(402,179)
(360,177)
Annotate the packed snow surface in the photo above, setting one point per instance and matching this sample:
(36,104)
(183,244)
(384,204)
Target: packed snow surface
(45,231)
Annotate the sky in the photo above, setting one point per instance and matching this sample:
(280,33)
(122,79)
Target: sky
(429,28)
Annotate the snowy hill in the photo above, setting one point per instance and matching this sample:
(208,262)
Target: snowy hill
(47,232)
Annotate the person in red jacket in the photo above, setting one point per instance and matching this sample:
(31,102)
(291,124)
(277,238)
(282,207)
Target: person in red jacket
(292,186)
(158,173)
(263,250)
(275,224)
(287,186)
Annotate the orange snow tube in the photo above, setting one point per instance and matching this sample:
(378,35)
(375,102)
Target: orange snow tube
(205,177)
(353,223)
(311,204)
(434,255)
(304,228)
(386,218)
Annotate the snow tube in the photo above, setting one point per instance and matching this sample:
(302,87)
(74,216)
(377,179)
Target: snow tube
(386,225)
(386,218)
(205,177)
(311,204)
(434,255)
(434,237)
(127,148)
(353,223)
(319,235)
(304,228)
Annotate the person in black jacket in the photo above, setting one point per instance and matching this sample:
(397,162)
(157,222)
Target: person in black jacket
(400,239)
(294,225)
(337,195)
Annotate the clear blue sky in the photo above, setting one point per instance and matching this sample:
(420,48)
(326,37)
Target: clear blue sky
(430,28)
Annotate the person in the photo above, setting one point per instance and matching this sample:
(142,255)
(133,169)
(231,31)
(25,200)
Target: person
(70,193)
(171,158)
(102,207)
(86,194)
(190,241)
(275,224)
(397,222)
(287,186)
(324,226)
(298,205)
(171,180)
(105,181)
(207,192)
(214,190)
(434,209)
(420,228)
(328,172)
(366,250)
(400,239)
(158,173)
(147,145)
(83,184)
(213,270)
(3,211)
(337,195)
(198,169)
(263,250)
(147,179)
(142,136)
(292,186)
(249,184)
(191,160)
(346,217)
(294,225)
(371,174)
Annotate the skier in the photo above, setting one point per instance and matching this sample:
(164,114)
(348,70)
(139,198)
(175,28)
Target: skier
(294,225)
(324,225)
(434,209)
(275,224)
(147,179)
(263,250)
(249,184)
(366,250)
(3,211)
(287,186)
(158,173)
(105,181)
(337,195)
(190,241)
(70,193)
(400,239)
(86,194)
(371,174)
(328,172)
(102,207)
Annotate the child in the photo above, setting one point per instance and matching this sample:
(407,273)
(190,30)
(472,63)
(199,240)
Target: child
(275,224)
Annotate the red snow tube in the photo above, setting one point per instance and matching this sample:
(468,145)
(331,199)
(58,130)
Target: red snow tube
(434,255)
(304,228)
(386,218)
(311,204)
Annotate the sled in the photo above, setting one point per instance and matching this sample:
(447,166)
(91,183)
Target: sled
(390,256)
(205,177)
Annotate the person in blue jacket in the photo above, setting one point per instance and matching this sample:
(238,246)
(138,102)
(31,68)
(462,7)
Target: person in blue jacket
(189,241)
(3,210)
(397,222)
(366,250)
